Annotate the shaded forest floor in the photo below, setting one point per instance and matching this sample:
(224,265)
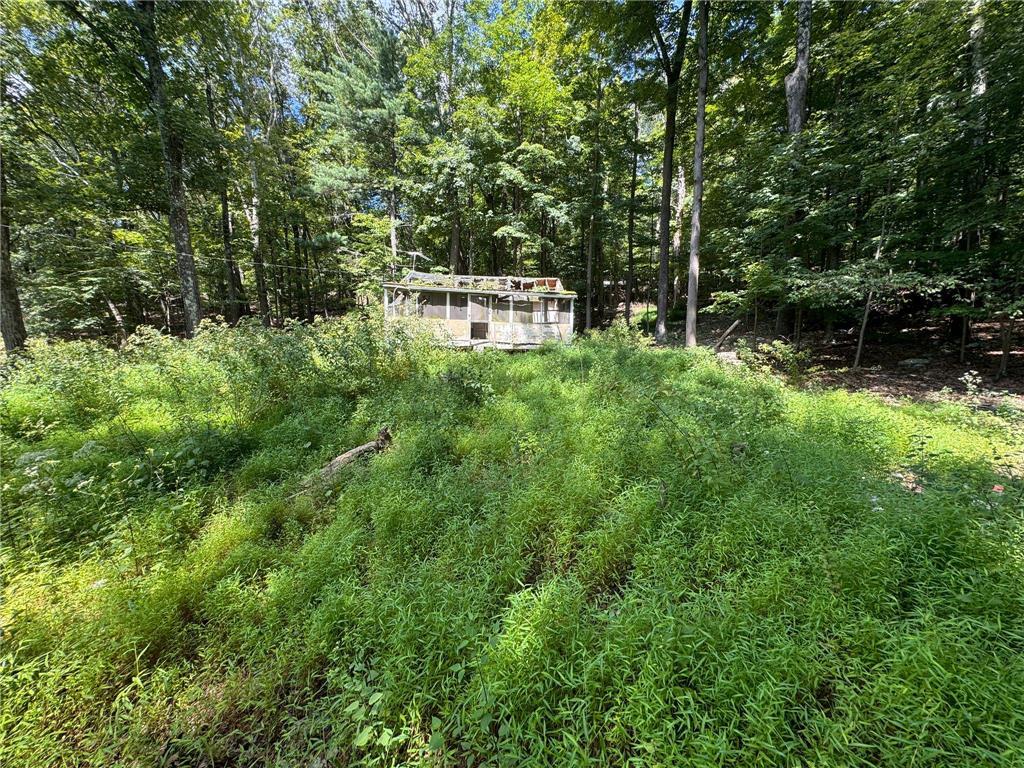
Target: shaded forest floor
(919,361)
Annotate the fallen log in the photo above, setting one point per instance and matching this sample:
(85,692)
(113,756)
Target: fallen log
(724,336)
(335,465)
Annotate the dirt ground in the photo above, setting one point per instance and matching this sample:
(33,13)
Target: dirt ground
(919,361)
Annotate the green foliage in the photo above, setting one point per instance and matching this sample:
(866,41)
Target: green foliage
(776,356)
(600,553)
(512,137)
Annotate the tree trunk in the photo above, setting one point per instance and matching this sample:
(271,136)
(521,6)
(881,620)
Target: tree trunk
(596,201)
(232,312)
(171,147)
(393,218)
(165,310)
(672,69)
(698,180)
(863,327)
(796,81)
(299,279)
(677,234)
(728,332)
(665,219)
(12,323)
(116,316)
(590,274)
(1006,337)
(258,247)
(631,226)
(455,245)
(230,270)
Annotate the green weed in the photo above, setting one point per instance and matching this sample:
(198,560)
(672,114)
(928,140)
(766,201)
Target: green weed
(605,553)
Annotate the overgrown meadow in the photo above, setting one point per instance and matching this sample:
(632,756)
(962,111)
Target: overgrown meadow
(602,553)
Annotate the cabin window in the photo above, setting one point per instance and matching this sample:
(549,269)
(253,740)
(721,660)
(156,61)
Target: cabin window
(459,304)
(501,313)
(564,311)
(545,311)
(432,305)
(522,311)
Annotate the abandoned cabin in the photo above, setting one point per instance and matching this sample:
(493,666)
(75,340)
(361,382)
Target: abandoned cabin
(480,311)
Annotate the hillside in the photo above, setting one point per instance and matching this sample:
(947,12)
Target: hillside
(606,551)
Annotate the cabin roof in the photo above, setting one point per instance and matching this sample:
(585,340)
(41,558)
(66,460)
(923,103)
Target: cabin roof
(486,284)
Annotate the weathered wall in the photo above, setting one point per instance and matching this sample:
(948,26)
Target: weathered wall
(505,325)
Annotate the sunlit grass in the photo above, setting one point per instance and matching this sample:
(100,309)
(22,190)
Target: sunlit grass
(601,553)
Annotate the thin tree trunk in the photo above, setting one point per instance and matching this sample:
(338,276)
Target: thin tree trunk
(964,324)
(672,68)
(165,309)
(393,217)
(677,234)
(171,146)
(698,180)
(309,280)
(279,304)
(299,280)
(728,332)
(595,205)
(863,327)
(1006,337)
(116,316)
(455,245)
(631,226)
(590,274)
(258,247)
(232,308)
(12,322)
(230,272)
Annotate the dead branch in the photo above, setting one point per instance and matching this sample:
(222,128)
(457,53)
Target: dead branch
(334,466)
(724,336)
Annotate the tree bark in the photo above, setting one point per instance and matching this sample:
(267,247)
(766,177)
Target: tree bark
(595,203)
(698,180)
(258,246)
(863,328)
(12,322)
(232,310)
(332,468)
(455,245)
(1006,337)
(587,322)
(116,316)
(728,332)
(631,226)
(672,67)
(171,147)
(796,81)
(393,219)
(677,234)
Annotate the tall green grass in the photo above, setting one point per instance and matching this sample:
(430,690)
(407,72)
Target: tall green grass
(597,554)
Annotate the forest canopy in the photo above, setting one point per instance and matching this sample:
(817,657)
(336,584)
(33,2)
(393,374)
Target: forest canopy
(168,161)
